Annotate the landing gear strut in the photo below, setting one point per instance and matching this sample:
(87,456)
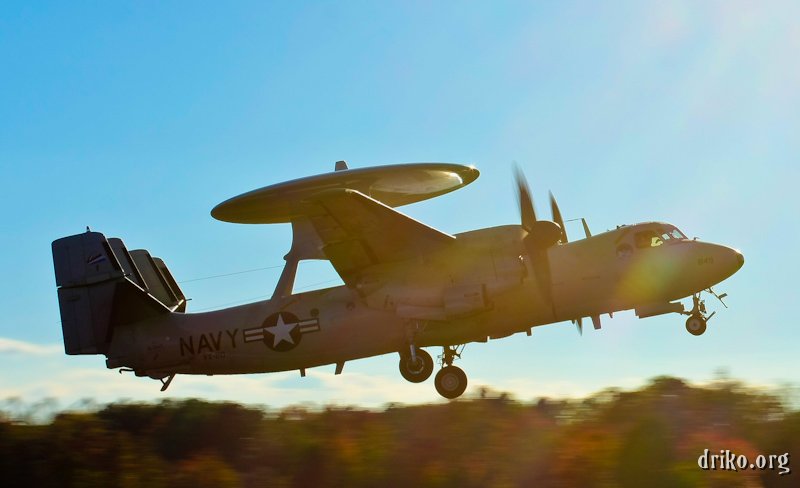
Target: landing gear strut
(416,365)
(450,381)
(696,323)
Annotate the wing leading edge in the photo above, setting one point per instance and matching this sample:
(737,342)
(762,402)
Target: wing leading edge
(358,232)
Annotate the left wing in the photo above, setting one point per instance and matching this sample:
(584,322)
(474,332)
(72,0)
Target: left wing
(358,232)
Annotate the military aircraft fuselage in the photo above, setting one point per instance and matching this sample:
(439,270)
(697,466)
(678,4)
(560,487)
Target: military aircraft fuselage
(483,285)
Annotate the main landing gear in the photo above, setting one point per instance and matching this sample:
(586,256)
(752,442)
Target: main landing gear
(696,323)
(416,366)
(450,381)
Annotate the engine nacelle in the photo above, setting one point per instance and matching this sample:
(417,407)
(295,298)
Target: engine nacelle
(464,300)
(454,302)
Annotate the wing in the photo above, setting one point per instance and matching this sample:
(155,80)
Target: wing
(358,232)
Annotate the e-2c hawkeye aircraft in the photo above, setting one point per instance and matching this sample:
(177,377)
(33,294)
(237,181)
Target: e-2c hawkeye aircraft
(406,285)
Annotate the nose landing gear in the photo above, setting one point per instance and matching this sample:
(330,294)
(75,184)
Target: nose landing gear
(696,323)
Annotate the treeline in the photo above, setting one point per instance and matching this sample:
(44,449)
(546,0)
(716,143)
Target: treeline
(649,437)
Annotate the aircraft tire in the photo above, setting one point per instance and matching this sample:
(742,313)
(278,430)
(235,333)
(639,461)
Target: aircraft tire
(696,325)
(416,373)
(451,382)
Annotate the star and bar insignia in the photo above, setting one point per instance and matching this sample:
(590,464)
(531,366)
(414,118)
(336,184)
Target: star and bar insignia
(281,331)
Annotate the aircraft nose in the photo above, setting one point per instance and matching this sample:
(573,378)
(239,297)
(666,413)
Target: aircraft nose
(734,260)
(723,261)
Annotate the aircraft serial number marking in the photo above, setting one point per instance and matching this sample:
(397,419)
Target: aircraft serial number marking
(213,356)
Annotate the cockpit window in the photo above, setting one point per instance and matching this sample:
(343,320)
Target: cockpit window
(648,238)
(670,233)
(674,233)
(657,236)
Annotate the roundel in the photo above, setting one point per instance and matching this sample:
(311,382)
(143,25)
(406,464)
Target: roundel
(282,331)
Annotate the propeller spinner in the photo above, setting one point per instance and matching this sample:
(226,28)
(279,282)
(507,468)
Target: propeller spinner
(541,233)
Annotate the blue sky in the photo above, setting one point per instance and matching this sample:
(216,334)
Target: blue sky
(137,118)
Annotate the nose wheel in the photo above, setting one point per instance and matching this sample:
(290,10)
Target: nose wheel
(696,323)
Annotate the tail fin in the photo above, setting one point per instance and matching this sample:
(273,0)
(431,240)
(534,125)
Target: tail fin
(158,280)
(101,285)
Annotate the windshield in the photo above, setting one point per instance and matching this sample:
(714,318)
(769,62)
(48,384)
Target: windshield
(657,236)
(671,233)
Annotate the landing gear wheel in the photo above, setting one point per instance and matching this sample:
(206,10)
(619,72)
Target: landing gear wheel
(696,325)
(419,370)
(450,381)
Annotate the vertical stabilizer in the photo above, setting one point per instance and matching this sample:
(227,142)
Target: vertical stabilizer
(100,286)
(86,273)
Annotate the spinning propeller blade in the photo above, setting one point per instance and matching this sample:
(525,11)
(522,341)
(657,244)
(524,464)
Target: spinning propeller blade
(541,234)
(526,210)
(558,219)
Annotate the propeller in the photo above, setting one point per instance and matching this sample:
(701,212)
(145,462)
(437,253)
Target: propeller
(541,235)
(558,219)
(526,210)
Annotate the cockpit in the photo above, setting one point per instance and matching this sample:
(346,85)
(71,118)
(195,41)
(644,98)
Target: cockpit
(644,236)
(657,235)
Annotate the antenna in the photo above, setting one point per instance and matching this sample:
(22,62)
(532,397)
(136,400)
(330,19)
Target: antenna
(585,226)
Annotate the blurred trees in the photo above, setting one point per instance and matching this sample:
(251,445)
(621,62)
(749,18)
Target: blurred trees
(649,437)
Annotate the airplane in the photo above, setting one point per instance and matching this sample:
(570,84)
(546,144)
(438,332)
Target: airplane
(407,286)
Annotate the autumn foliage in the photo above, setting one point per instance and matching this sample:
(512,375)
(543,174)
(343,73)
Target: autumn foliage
(649,437)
